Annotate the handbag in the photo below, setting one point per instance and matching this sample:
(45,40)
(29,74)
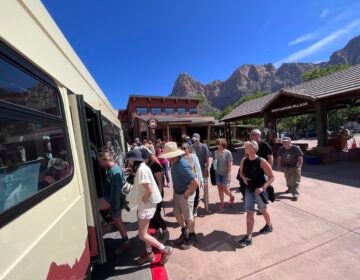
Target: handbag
(271,193)
(212,175)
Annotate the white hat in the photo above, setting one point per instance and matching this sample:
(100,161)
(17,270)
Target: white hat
(256,131)
(171,150)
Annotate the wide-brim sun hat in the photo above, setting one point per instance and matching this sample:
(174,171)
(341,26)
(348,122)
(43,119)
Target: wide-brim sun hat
(171,150)
(134,155)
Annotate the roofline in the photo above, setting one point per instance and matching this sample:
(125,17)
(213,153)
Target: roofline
(159,97)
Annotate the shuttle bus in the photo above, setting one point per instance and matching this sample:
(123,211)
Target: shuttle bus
(53,120)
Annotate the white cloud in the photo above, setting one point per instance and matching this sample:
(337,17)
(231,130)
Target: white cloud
(324,13)
(302,38)
(343,15)
(314,48)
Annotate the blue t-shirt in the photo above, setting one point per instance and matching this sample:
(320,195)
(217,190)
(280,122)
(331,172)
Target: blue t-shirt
(182,175)
(112,188)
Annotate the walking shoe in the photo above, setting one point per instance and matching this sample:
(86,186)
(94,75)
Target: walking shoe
(123,248)
(188,243)
(183,236)
(266,229)
(147,257)
(166,254)
(231,202)
(245,241)
(165,236)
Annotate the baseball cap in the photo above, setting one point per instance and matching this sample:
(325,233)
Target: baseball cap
(286,139)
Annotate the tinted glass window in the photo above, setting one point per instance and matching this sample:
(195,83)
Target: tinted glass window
(169,111)
(33,156)
(181,111)
(141,111)
(192,110)
(18,87)
(156,111)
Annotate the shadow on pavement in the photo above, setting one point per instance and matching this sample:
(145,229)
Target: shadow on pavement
(219,241)
(124,264)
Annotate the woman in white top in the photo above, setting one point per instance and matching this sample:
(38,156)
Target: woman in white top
(193,160)
(147,196)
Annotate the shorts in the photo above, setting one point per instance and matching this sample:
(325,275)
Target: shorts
(222,180)
(250,198)
(146,211)
(183,207)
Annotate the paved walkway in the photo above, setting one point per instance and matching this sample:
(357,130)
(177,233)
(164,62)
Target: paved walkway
(317,237)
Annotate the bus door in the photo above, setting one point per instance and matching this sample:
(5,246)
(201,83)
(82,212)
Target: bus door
(89,139)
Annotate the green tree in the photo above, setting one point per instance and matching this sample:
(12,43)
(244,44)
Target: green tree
(321,72)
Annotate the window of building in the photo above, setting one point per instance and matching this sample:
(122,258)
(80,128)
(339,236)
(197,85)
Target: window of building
(181,111)
(141,111)
(193,111)
(169,111)
(156,111)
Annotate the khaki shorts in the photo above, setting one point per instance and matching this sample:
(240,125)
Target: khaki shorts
(183,207)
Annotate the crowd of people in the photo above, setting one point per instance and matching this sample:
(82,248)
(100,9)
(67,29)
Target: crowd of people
(148,167)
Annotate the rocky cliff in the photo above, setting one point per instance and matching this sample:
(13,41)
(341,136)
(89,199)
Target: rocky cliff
(251,78)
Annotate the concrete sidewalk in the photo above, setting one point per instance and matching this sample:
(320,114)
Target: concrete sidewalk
(317,237)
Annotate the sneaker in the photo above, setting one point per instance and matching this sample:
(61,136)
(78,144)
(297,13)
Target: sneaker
(188,243)
(165,236)
(166,254)
(146,258)
(266,229)
(123,248)
(182,237)
(245,241)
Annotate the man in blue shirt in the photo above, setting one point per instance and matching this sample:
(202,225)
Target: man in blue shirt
(185,184)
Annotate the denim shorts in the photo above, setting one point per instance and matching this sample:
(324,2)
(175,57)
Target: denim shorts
(250,198)
(221,180)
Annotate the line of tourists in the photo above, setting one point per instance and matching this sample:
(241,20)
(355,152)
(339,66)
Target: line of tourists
(189,173)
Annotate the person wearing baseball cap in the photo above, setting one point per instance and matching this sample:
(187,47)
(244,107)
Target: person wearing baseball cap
(185,184)
(147,197)
(290,160)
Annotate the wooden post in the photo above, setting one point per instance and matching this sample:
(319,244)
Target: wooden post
(321,124)
(168,131)
(208,134)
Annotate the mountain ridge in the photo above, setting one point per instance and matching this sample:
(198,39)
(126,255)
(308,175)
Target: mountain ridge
(250,78)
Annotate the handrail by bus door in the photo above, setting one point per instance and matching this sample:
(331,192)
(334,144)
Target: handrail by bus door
(80,105)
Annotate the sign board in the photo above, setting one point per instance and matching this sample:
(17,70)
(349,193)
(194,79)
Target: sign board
(152,123)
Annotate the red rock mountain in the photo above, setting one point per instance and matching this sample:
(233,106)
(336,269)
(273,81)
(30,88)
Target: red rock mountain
(251,78)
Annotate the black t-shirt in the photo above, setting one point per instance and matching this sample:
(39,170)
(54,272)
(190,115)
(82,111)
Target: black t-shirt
(252,170)
(264,150)
(155,168)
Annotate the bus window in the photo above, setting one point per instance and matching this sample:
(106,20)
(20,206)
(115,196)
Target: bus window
(112,138)
(33,156)
(20,88)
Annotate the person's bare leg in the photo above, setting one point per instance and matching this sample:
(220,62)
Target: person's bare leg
(266,215)
(249,223)
(221,195)
(147,238)
(120,225)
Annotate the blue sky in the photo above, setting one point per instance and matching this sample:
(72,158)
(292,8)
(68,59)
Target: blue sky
(141,46)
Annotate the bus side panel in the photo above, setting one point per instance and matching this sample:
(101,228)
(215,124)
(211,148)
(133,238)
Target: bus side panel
(42,238)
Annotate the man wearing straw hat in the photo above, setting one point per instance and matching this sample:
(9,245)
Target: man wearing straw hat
(185,184)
